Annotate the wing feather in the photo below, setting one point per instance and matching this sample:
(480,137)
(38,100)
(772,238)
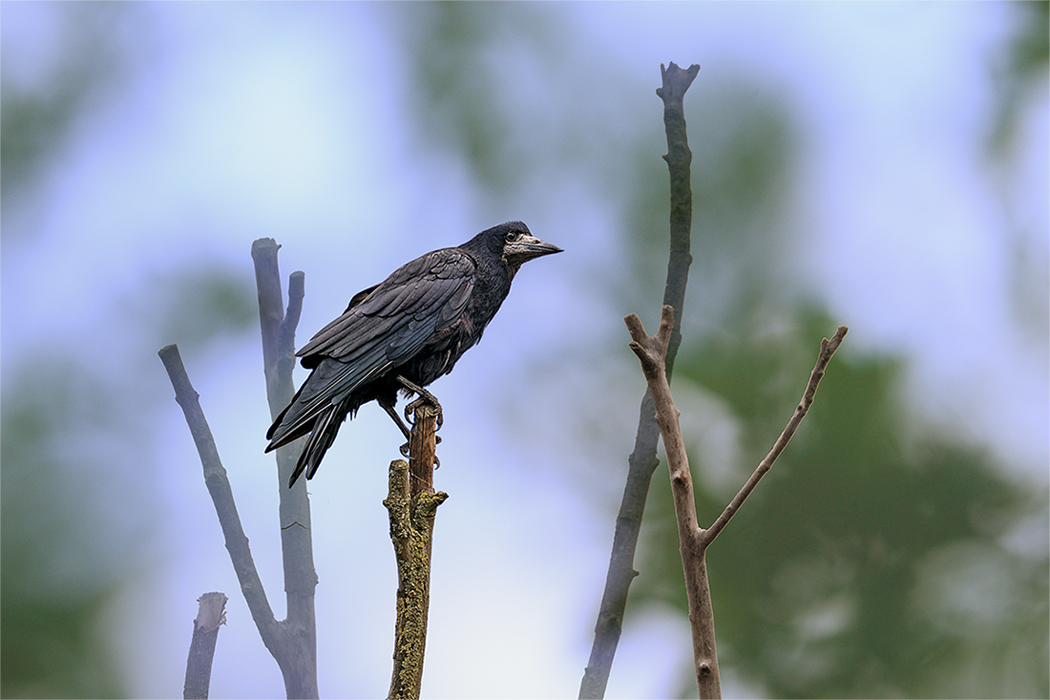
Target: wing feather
(441,280)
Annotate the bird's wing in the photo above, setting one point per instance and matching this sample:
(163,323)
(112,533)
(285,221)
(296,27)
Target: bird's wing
(388,325)
(418,298)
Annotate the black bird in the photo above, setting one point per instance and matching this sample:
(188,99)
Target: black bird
(401,334)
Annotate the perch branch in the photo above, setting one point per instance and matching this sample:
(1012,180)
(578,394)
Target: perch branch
(412,505)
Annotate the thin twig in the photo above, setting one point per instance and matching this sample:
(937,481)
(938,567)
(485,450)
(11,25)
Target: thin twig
(827,350)
(222,497)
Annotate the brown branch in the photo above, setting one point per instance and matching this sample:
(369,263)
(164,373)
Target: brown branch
(650,352)
(694,540)
(412,505)
(210,616)
(643,462)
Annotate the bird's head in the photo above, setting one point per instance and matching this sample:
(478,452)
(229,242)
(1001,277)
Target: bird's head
(518,244)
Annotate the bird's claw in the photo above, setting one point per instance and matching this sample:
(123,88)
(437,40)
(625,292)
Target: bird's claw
(406,451)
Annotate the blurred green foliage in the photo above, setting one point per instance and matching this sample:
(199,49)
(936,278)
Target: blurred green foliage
(53,587)
(74,528)
(38,118)
(1022,65)
(54,590)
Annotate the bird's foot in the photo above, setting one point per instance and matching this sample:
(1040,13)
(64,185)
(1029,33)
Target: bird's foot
(428,398)
(425,397)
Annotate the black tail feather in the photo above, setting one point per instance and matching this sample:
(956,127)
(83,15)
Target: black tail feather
(322,435)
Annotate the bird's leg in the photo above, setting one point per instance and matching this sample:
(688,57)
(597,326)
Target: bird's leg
(424,397)
(404,429)
(392,412)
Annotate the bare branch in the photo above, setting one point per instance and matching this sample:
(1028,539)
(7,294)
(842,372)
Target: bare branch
(701,615)
(651,352)
(222,497)
(293,641)
(693,540)
(278,330)
(675,82)
(298,658)
(210,616)
(286,334)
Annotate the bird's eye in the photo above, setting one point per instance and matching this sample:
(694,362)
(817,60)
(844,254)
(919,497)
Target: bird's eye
(511,236)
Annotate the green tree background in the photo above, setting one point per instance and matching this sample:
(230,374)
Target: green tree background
(883,556)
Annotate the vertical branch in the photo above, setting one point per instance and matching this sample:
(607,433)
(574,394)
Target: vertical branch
(643,462)
(679,158)
(299,661)
(292,641)
(412,504)
(210,616)
(422,443)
